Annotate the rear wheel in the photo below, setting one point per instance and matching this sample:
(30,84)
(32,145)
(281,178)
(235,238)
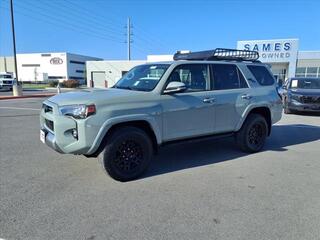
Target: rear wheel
(127,154)
(252,135)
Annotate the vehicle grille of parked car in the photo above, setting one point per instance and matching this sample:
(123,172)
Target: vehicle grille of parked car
(310,99)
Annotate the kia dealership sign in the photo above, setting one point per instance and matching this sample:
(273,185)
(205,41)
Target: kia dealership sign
(279,50)
(56,61)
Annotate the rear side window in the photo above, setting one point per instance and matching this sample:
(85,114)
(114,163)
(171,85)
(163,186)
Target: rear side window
(262,75)
(227,76)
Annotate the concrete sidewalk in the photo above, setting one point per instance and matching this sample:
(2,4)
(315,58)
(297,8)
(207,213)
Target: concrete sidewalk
(40,95)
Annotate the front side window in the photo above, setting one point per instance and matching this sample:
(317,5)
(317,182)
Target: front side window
(142,78)
(194,76)
(262,75)
(227,76)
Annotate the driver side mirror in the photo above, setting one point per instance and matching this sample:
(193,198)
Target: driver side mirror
(175,87)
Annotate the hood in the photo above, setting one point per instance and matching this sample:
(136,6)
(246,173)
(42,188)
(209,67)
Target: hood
(96,96)
(307,92)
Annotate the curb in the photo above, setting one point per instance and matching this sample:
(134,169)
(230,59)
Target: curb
(27,96)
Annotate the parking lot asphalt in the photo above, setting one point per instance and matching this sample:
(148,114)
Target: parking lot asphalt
(203,190)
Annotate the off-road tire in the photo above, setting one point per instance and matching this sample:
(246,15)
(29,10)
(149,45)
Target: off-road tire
(127,154)
(253,133)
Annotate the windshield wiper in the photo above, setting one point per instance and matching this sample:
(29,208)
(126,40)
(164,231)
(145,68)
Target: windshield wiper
(123,87)
(132,88)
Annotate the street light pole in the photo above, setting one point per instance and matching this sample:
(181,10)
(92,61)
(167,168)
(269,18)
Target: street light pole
(17,89)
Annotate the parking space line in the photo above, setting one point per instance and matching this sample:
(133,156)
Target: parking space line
(17,108)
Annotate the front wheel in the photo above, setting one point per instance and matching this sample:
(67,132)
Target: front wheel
(252,135)
(127,154)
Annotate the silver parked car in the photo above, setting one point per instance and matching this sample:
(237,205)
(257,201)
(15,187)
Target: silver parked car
(220,92)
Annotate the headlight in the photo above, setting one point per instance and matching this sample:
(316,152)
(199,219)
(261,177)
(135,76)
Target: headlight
(295,97)
(78,111)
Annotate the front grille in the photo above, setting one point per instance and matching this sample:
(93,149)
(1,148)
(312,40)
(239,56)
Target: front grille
(310,99)
(49,124)
(46,108)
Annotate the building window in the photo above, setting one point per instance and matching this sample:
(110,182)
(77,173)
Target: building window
(76,78)
(79,71)
(312,71)
(301,72)
(30,65)
(123,73)
(77,62)
(56,77)
(45,55)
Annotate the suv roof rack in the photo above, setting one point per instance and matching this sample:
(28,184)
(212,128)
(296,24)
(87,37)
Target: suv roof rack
(218,54)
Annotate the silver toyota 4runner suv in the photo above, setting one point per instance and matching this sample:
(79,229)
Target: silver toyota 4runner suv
(219,92)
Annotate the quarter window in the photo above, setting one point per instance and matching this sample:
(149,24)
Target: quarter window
(194,76)
(262,75)
(227,76)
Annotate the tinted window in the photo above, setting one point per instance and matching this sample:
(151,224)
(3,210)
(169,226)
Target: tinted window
(194,76)
(227,76)
(262,75)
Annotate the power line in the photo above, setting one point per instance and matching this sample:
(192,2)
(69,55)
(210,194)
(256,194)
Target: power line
(55,24)
(96,17)
(67,23)
(80,17)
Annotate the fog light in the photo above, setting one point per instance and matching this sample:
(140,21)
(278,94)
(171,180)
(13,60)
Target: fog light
(75,133)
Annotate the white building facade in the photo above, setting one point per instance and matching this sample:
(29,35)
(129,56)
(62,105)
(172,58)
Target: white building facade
(101,74)
(38,67)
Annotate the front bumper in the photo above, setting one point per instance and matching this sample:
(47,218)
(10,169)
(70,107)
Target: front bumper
(58,131)
(304,107)
(50,140)
(5,87)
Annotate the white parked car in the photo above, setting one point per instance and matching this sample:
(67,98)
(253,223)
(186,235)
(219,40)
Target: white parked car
(6,80)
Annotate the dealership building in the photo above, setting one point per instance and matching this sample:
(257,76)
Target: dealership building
(283,55)
(37,67)
(285,58)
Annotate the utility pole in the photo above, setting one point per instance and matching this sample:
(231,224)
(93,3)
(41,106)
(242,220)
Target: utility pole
(17,89)
(129,39)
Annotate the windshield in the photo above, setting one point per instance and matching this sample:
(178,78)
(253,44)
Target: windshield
(6,76)
(307,83)
(143,77)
